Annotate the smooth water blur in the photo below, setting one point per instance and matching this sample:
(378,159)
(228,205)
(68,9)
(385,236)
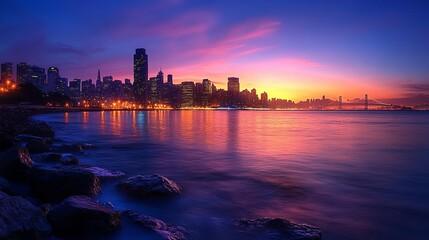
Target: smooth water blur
(356,175)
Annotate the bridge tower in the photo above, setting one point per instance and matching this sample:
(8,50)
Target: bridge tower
(340,100)
(366,101)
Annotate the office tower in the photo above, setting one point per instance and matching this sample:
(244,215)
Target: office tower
(87,89)
(170,79)
(99,85)
(264,100)
(187,90)
(75,88)
(6,73)
(53,75)
(38,77)
(153,90)
(23,73)
(160,85)
(62,86)
(141,69)
(233,91)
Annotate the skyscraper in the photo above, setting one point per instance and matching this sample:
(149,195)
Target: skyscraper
(233,91)
(23,73)
(6,72)
(170,79)
(75,88)
(187,89)
(141,70)
(53,75)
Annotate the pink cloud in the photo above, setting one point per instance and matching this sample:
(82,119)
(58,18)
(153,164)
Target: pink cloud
(188,23)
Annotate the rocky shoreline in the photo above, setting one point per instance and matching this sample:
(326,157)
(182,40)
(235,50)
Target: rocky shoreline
(45,193)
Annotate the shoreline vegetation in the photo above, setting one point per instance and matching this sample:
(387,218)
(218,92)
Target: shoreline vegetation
(46,193)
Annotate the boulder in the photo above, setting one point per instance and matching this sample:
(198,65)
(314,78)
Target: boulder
(40,130)
(19,219)
(164,230)
(28,138)
(5,185)
(67,147)
(82,216)
(101,173)
(278,228)
(5,141)
(62,158)
(149,185)
(15,162)
(37,146)
(52,184)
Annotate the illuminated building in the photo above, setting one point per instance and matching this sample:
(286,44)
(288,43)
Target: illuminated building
(53,75)
(62,86)
(264,100)
(141,69)
(75,88)
(187,90)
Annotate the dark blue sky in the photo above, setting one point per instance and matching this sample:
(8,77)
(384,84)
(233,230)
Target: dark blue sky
(292,49)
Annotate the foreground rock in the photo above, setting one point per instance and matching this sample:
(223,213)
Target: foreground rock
(101,173)
(277,228)
(61,158)
(52,184)
(5,141)
(15,162)
(40,130)
(37,146)
(164,230)
(5,185)
(67,148)
(19,219)
(82,216)
(149,185)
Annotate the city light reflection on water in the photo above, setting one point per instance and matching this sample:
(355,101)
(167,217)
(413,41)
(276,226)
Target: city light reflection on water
(356,175)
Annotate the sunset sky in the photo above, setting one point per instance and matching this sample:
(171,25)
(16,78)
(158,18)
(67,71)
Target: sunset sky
(290,49)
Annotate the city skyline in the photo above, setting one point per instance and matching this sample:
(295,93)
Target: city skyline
(292,52)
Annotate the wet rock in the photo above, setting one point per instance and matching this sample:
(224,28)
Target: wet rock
(52,184)
(278,228)
(82,216)
(28,138)
(37,146)
(148,185)
(67,148)
(19,219)
(101,172)
(164,230)
(62,158)
(5,185)
(15,162)
(40,130)
(5,141)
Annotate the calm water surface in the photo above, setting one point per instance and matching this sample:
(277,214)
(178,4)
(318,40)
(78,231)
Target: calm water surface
(356,175)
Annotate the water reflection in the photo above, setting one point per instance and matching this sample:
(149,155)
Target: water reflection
(357,175)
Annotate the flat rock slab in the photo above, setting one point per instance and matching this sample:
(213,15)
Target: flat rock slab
(53,184)
(278,229)
(82,216)
(164,230)
(19,219)
(149,185)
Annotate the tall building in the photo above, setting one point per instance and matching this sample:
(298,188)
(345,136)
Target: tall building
(53,75)
(6,72)
(233,91)
(23,73)
(62,86)
(38,77)
(87,89)
(75,88)
(160,85)
(187,89)
(141,70)
(153,90)
(264,100)
(99,85)
(170,79)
